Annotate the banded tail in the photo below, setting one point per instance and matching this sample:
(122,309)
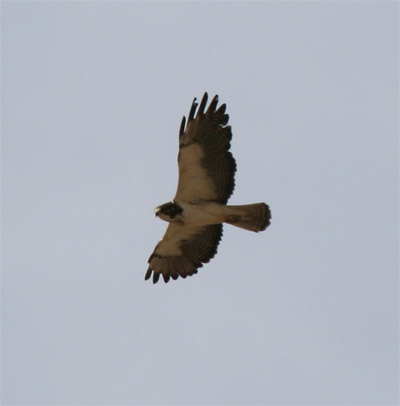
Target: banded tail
(253,217)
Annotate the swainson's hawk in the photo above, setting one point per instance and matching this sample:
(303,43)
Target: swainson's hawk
(206,181)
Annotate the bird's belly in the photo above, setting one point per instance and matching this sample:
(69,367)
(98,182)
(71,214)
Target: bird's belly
(202,214)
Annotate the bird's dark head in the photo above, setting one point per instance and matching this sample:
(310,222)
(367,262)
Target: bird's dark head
(171,212)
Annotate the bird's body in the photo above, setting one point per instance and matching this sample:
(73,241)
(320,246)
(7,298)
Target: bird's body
(206,181)
(200,214)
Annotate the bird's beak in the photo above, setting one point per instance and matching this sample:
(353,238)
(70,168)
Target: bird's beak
(157,211)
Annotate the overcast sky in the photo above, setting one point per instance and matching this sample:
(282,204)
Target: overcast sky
(304,313)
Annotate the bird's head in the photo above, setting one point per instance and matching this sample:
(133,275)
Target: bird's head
(170,212)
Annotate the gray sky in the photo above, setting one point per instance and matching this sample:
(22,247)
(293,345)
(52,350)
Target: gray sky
(305,313)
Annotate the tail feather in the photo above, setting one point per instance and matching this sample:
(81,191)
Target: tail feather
(253,217)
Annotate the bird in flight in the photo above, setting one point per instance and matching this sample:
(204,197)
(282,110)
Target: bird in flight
(206,181)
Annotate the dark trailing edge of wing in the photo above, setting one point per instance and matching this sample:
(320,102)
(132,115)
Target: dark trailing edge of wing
(212,132)
(197,251)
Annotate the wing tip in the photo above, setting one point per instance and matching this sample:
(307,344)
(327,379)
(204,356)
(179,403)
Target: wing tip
(201,111)
(148,274)
(156,277)
(213,105)
(203,104)
(182,128)
(166,276)
(192,111)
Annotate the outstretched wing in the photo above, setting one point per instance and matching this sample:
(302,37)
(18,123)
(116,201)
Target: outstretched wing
(183,250)
(206,167)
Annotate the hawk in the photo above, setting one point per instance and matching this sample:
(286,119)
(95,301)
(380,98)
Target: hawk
(206,181)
